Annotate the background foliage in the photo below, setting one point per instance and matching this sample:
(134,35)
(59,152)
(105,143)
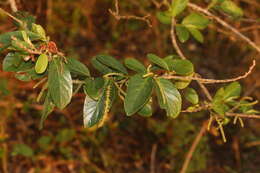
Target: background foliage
(125,144)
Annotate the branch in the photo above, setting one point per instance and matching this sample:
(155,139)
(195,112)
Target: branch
(119,17)
(175,45)
(193,147)
(225,24)
(174,40)
(211,81)
(242,115)
(13,5)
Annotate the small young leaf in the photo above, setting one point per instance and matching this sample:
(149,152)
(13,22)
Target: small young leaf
(41,64)
(38,29)
(218,103)
(59,83)
(77,67)
(111,62)
(231,8)
(169,97)
(182,67)
(178,6)
(164,18)
(135,65)
(191,95)
(158,61)
(96,111)
(232,90)
(195,20)
(196,34)
(138,93)
(182,33)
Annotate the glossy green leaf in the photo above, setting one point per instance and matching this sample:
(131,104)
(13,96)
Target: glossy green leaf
(100,67)
(92,87)
(47,109)
(191,95)
(138,93)
(111,62)
(157,61)
(96,111)
(146,110)
(178,6)
(232,90)
(164,18)
(77,67)
(168,96)
(182,33)
(231,8)
(13,62)
(59,83)
(41,64)
(195,20)
(135,65)
(196,34)
(182,67)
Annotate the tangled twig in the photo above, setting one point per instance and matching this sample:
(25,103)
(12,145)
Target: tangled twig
(225,24)
(119,17)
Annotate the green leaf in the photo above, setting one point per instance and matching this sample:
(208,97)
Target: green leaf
(5,39)
(182,33)
(232,90)
(92,87)
(100,67)
(178,6)
(23,77)
(146,110)
(158,61)
(38,29)
(111,62)
(14,62)
(65,135)
(47,109)
(218,103)
(135,65)
(164,17)
(191,95)
(41,64)
(96,111)
(231,8)
(77,67)
(182,67)
(138,93)
(169,97)
(196,34)
(195,20)
(20,45)
(22,149)
(59,83)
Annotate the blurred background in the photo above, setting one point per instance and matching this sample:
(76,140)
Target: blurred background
(84,28)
